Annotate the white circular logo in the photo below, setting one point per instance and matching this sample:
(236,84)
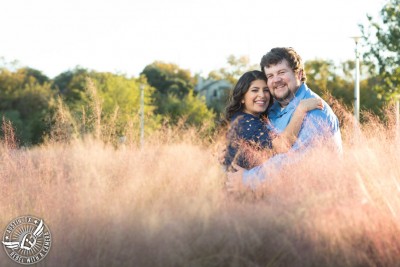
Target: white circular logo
(27,240)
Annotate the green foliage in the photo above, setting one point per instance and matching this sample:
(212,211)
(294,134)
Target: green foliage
(325,78)
(235,68)
(112,99)
(122,95)
(191,108)
(71,86)
(25,100)
(96,102)
(382,37)
(168,78)
(174,95)
(370,99)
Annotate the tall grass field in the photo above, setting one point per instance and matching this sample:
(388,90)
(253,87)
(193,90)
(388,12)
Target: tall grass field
(164,204)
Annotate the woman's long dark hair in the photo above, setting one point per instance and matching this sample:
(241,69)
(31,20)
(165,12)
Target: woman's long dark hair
(240,89)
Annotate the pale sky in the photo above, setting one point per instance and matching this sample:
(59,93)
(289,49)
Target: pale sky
(123,36)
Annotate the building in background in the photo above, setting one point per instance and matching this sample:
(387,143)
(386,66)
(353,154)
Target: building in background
(213,90)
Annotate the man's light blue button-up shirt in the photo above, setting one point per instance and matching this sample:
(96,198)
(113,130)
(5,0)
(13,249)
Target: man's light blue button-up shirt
(317,124)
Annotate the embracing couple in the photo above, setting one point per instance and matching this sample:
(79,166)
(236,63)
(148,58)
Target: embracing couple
(273,113)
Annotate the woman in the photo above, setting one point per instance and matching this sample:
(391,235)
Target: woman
(251,138)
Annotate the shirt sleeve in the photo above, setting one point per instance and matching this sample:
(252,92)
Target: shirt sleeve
(317,124)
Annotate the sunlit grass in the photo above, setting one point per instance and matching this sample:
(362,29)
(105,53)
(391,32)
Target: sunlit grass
(165,204)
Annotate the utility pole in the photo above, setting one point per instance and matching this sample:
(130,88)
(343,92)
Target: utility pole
(141,115)
(357,82)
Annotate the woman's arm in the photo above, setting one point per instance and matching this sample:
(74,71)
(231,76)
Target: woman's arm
(247,137)
(254,131)
(284,141)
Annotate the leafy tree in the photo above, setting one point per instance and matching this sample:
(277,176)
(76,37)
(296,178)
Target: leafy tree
(235,68)
(25,99)
(117,98)
(319,74)
(382,37)
(325,78)
(122,95)
(71,86)
(168,78)
(174,93)
(191,108)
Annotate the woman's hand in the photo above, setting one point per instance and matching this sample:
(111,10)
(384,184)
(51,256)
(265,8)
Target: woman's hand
(234,180)
(311,103)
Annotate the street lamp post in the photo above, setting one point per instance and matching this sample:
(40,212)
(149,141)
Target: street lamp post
(357,81)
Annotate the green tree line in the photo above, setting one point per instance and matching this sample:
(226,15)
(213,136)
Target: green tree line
(31,100)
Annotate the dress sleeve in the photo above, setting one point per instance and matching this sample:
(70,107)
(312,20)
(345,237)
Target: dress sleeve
(255,131)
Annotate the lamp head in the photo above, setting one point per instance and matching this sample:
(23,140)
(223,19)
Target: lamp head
(356,38)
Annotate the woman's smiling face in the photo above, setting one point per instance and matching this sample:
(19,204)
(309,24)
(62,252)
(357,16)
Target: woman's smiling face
(257,98)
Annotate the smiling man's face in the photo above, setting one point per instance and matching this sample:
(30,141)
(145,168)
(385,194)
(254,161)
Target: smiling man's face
(283,82)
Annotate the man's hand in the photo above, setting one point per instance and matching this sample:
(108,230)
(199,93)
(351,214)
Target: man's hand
(234,181)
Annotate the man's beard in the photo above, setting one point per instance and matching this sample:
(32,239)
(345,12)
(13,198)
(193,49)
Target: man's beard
(285,99)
